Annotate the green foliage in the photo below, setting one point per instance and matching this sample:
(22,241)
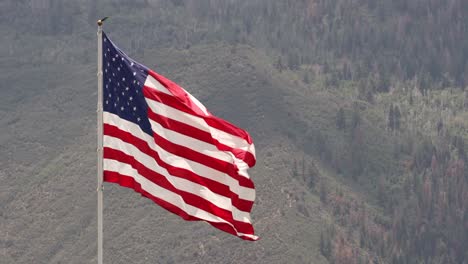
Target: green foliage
(423,154)
(326,244)
(340,119)
(394,118)
(391,118)
(374,41)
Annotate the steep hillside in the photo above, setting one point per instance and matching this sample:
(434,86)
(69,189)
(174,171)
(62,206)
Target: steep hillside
(48,164)
(358,111)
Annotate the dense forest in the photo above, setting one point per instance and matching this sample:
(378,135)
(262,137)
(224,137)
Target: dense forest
(393,138)
(377,41)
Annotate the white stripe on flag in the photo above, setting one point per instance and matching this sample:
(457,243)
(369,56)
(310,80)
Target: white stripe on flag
(166,195)
(179,183)
(198,122)
(190,187)
(176,161)
(199,146)
(151,82)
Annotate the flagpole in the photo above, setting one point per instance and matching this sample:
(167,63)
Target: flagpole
(99,147)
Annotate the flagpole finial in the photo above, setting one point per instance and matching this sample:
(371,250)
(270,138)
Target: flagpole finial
(101,21)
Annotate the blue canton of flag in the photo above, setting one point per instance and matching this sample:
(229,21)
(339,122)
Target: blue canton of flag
(123,86)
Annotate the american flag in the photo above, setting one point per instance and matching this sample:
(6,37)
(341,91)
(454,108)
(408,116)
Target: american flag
(162,142)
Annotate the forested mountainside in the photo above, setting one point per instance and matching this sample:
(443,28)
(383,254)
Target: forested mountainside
(359,110)
(379,40)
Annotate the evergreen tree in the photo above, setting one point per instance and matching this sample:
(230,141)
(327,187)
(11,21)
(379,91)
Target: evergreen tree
(295,172)
(355,119)
(323,193)
(293,61)
(391,118)
(325,244)
(440,126)
(397,117)
(340,119)
(312,178)
(279,64)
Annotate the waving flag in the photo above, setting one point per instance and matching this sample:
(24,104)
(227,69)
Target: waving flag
(163,143)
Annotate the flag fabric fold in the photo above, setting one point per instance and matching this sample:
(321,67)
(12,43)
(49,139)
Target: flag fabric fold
(163,143)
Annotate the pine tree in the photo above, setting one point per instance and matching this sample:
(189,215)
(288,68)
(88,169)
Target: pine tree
(340,119)
(313,175)
(295,171)
(391,118)
(323,193)
(440,126)
(396,117)
(325,244)
(279,64)
(293,62)
(356,118)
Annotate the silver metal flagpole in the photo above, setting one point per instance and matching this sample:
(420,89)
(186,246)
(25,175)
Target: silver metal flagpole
(99,147)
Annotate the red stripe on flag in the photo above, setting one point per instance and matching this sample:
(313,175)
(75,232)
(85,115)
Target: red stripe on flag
(169,100)
(189,198)
(144,147)
(201,135)
(129,182)
(216,187)
(178,92)
(184,103)
(193,155)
